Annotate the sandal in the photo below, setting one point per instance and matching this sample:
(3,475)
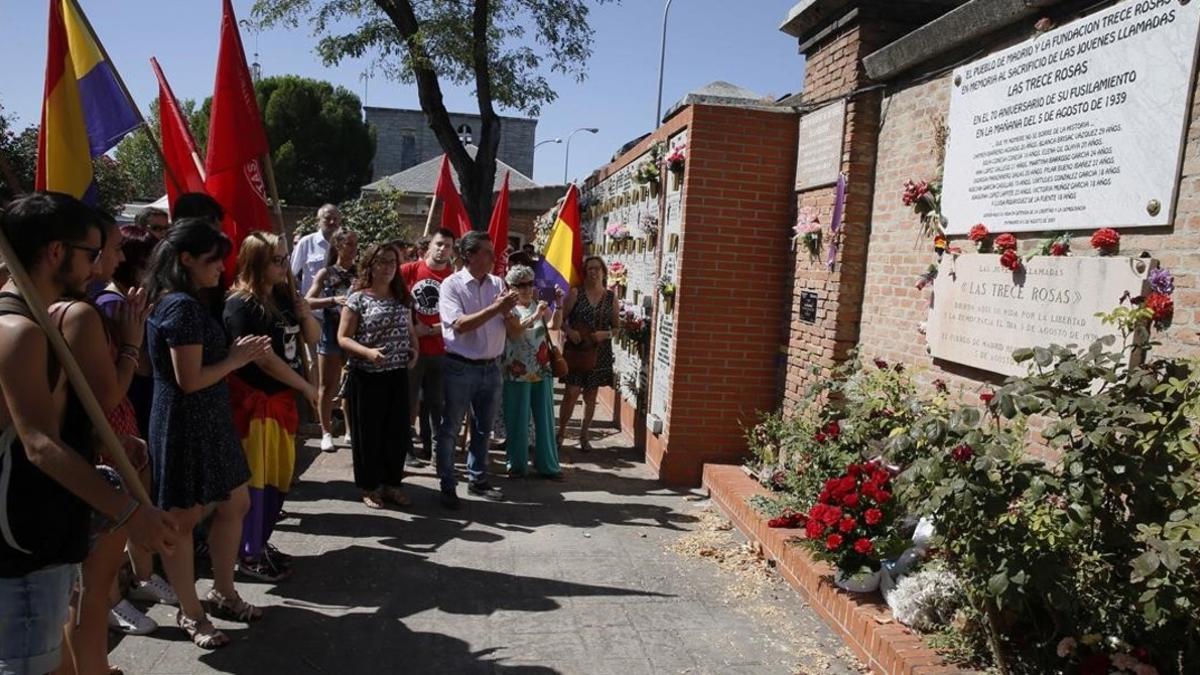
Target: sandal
(201,631)
(373,500)
(232,609)
(396,496)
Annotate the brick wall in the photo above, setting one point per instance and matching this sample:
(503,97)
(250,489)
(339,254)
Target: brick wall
(898,255)
(834,70)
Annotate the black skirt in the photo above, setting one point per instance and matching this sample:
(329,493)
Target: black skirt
(380,439)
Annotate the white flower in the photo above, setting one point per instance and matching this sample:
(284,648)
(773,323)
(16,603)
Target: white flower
(1066,647)
(1125,661)
(926,600)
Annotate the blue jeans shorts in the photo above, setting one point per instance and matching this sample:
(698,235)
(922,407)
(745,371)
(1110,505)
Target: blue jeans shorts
(33,610)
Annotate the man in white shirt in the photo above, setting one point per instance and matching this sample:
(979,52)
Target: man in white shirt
(472,305)
(310,253)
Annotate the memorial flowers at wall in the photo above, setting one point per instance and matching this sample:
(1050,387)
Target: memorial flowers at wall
(982,238)
(618,274)
(677,160)
(617,231)
(925,198)
(1107,241)
(850,525)
(807,231)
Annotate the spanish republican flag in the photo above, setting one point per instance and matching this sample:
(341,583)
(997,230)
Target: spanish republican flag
(561,265)
(84,109)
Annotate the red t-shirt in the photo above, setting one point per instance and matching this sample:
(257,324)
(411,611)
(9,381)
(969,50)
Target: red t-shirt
(425,284)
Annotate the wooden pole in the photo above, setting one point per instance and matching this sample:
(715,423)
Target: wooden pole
(293,287)
(429,217)
(114,449)
(129,98)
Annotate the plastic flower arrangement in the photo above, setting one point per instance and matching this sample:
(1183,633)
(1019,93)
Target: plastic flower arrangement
(617,231)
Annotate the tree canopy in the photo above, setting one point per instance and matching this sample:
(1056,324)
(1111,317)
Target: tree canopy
(502,49)
(320,146)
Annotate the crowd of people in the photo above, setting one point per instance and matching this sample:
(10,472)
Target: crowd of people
(204,374)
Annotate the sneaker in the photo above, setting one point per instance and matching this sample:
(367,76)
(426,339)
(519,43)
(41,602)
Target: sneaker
(327,443)
(425,454)
(154,589)
(127,619)
(262,569)
(414,461)
(485,490)
(279,558)
(346,438)
(450,500)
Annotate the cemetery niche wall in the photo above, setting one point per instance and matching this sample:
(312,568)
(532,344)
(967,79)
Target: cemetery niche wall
(693,223)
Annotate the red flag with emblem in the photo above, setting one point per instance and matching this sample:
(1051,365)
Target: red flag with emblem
(498,230)
(236,142)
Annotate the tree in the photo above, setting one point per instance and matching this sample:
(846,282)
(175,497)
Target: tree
(320,146)
(141,160)
(375,218)
(500,47)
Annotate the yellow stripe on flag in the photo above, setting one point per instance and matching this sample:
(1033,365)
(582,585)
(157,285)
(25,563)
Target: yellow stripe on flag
(85,53)
(68,159)
(271,454)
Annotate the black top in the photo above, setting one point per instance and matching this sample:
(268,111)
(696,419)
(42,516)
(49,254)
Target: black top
(245,315)
(41,522)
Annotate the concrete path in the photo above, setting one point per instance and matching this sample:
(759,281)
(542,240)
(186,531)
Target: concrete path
(592,575)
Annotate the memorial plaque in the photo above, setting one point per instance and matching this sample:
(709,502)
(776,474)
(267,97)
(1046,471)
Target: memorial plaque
(983,312)
(808,306)
(819,149)
(1078,128)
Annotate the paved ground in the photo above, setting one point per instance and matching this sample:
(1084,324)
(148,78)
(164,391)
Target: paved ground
(584,576)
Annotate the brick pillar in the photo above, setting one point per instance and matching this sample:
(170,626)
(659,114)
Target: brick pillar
(834,70)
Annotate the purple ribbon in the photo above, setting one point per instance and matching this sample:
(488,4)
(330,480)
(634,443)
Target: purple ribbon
(835,223)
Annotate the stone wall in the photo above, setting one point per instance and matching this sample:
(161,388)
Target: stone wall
(404,139)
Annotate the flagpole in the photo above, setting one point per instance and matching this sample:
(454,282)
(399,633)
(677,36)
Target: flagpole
(269,172)
(429,218)
(129,98)
(79,383)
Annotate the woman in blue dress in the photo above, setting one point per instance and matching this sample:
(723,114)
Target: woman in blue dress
(197,455)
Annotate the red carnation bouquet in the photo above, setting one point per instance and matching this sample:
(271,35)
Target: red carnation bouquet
(1106,240)
(851,525)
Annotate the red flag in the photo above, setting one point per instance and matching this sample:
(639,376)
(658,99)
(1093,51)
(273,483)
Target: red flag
(236,141)
(498,230)
(183,171)
(454,214)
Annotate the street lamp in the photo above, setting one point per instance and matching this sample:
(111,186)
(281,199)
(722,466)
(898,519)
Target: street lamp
(662,57)
(551,140)
(567,159)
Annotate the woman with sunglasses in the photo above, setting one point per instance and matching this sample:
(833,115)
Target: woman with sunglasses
(264,302)
(197,458)
(376,334)
(529,379)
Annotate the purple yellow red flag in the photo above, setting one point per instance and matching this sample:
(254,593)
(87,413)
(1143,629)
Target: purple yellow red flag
(561,265)
(85,111)
(498,230)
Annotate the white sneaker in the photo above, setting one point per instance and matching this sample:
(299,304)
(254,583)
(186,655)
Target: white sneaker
(125,618)
(156,589)
(347,438)
(327,442)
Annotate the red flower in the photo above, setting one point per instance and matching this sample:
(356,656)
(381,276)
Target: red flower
(987,396)
(864,546)
(833,429)
(873,516)
(833,542)
(830,515)
(820,437)
(882,497)
(869,490)
(1058,249)
(881,364)
(1010,260)
(914,191)
(781,521)
(962,453)
(1006,242)
(881,477)
(846,485)
(850,500)
(1162,305)
(814,529)
(854,470)
(1106,239)
(846,524)
(978,233)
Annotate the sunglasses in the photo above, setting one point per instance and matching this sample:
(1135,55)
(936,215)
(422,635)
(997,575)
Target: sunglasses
(92,253)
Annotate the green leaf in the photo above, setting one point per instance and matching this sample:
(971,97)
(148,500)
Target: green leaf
(1042,356)
(1143,566)
(998,584)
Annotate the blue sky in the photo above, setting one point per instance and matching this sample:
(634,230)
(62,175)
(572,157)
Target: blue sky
(733,40)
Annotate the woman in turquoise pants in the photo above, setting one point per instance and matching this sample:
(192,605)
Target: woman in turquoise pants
(528,380)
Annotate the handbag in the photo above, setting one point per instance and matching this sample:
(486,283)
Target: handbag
(558,365)
(581,357)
